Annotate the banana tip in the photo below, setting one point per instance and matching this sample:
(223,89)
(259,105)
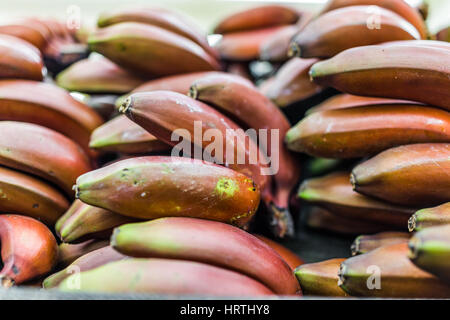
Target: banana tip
(341,277)
(353,180)
(412,223)
(6,282)
(193,92)
(77,191)
(354,248)
(294,50)
(281,221)
(125,106)
(414,245)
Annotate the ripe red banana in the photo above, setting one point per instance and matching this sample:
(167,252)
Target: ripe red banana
(324,220)
(291,83)
(82,221)
(349,27)
(387,272)
(365,131)
(165,276)
(68,253)
(320,278)
(208,242)
(243,102)
(97,75)
(257,18)
(244,45)
(163,112)
(401,7)
(275,48)
(25,32)
(86,262)
(417,73)
(155,187)
(291,258)
(19,59)
(334,192)
(26,195)
(159,17)
(29,249)
(413,175)
(150,50)
(49,106)
(367,243)
(123,135)
(430,217)
(344,100)
(42,152)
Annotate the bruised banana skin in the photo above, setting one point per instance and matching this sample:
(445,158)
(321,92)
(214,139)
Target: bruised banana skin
(26,195)
(364,131)
(164,113)
(86,262)
(244,45)
(413,175)
(97,75)
(398,276)
(19,59)
(366,243)
(345,28)
(400,7)
(417,73)
(430,251)
(321,219)
(50,106)
(154,187)
(158,17)
(291,83)
(156,276)
(83,221)
(150,50)
(24,32)
(42,152)
(292,259)
(321,278)
(430,217)
(258,18)
(242,101)
(29,249)
(344,100)
(68,253)
(334,192)
(122,135)
(207,242)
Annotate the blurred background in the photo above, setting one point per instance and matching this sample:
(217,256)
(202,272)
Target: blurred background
(205,12)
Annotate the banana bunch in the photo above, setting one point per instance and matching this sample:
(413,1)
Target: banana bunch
(387,131)
(87,152)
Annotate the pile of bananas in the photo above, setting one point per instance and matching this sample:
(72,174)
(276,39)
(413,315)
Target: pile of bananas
(87,152)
